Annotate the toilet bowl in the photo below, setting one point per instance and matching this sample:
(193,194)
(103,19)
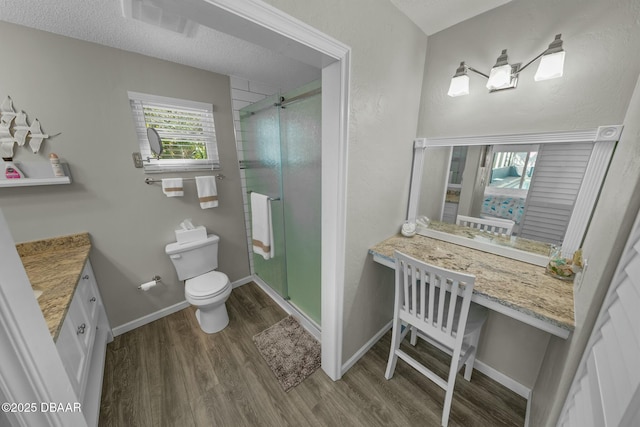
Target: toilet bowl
(209,293)
(206,289)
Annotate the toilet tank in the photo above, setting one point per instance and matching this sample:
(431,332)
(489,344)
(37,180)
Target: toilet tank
(192,259)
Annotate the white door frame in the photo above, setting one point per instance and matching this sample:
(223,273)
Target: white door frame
(335,124)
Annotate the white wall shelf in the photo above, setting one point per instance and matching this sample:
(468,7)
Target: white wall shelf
(37,173)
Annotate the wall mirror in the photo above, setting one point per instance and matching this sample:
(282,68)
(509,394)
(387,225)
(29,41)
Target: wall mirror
(547,183)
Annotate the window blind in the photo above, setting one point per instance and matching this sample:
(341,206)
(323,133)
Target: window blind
(186,129)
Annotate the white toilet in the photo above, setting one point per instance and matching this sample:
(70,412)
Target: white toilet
(205,288)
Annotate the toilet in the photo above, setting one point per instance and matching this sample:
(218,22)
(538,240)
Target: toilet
(204,288)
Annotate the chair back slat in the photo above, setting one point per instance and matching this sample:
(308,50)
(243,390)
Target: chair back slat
(440,284)
(423,292)
(432,291)
(435,297)
(489,225)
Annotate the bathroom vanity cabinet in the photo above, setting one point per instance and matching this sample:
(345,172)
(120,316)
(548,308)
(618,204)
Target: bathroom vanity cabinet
(82,342)
(59,271)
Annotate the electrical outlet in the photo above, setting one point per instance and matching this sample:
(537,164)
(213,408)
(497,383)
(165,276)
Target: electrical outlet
(137,160)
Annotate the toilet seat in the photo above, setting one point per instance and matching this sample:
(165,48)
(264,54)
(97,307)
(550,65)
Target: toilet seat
(207,285)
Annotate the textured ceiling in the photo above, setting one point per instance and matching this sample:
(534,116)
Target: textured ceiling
(436,15)
(102,22)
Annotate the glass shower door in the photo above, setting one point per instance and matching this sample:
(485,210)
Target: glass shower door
(260,125)
(282,150)
(301,176)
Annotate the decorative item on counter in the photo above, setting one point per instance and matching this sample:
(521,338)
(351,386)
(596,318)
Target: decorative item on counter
(55,165)
(408,229)
(558,266)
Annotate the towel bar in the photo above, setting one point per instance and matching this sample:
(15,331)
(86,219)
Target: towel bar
(151,180)
(273,199)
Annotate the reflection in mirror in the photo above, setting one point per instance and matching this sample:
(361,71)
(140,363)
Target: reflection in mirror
(496,188)
(535,186)
(547,183)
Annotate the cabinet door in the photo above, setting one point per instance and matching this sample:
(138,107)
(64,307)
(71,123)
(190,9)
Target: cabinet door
(71,349)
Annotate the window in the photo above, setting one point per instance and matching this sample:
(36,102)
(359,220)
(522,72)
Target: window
(186,129)
(513,166)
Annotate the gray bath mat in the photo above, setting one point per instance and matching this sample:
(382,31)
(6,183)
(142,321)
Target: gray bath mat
(291,352)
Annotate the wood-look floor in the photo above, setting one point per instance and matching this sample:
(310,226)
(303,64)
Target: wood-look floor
(170,373)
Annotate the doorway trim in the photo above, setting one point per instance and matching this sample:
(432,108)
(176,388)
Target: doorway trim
(335,128)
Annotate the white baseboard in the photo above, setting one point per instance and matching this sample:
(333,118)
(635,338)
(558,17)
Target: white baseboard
(241,282)
(119,330)
(129,326)
(366,347)
(312,327)
(501,378)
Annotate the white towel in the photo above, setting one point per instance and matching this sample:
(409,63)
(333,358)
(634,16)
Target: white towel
(207,191)
(172,187)
(261,227)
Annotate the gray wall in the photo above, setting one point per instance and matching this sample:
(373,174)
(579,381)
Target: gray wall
(387,64)
(80,89)
(601,71)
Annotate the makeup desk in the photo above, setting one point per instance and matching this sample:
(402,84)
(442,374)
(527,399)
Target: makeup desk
(514,288)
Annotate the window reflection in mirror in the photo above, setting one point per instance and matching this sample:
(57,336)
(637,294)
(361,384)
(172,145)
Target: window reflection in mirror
(512,169)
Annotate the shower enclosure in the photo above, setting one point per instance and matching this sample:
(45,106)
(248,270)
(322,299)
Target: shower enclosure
(282,159)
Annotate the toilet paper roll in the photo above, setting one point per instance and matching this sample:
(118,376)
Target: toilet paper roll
(148,285)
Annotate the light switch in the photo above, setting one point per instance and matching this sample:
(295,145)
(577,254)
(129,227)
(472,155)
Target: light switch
(137,160)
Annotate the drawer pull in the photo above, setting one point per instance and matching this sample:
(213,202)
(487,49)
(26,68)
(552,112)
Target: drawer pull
(81,329)
(85,277)
(93,299)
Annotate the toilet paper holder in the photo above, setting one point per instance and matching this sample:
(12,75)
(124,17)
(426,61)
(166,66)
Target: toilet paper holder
(146,286)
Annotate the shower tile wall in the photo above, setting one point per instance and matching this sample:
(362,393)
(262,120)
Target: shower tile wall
(243,93)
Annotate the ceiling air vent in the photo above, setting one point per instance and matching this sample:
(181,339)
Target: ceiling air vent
(152,13)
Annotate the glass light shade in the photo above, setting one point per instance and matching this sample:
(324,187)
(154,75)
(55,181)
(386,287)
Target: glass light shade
(459,86)
(551,67)
(499,77)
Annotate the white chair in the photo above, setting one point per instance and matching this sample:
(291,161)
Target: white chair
(423,302)
(490,225)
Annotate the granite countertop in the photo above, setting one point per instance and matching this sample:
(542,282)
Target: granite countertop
(54,267)
(521,286)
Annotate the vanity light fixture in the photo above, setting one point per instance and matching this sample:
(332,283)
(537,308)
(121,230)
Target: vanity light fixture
(505,76)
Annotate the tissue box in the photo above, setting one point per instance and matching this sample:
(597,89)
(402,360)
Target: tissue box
(185,236)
